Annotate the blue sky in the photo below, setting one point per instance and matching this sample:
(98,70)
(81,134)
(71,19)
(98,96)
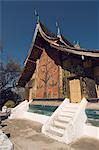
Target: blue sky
(78,20)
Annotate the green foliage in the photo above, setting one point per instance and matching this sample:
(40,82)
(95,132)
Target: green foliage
(10,104)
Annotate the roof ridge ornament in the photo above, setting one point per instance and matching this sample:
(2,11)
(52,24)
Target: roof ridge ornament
(58,29)
(78,42)
(37,15)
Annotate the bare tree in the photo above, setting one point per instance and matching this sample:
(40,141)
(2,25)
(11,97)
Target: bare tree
(1,66)
(9,74)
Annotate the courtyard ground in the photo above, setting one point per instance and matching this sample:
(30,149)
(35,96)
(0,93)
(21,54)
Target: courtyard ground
(26,135)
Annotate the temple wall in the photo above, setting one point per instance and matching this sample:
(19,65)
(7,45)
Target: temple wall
(96,71)
(47,82)
(71,78)
(79,76)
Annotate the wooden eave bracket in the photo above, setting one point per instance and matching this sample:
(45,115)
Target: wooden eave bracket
(31,61)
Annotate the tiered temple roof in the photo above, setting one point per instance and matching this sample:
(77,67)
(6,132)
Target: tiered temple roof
(42,36)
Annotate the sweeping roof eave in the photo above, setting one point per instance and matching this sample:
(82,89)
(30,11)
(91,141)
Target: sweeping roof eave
(29,69)
(76,51)
(65,44)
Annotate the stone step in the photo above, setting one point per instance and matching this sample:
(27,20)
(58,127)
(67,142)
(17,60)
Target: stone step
(63,119)
(69,110)
(67,114)
(59,124)
(63,122)
(56,131)
(71,105)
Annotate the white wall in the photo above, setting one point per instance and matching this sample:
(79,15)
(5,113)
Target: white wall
(91,131)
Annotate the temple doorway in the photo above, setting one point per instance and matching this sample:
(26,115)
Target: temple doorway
(75,90)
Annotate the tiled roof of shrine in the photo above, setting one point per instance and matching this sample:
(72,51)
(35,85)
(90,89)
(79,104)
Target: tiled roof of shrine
(42,36)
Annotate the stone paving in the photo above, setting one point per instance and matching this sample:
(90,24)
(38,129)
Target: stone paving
(26,135)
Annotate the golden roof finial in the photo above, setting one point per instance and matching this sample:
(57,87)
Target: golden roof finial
(57,29)
(36,14)
(77,45)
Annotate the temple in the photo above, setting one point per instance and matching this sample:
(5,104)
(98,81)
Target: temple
(55,68)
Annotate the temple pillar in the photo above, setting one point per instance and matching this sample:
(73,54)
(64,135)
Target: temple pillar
(60,81)
(90,87)
(96,77)
(83,87)
(26,93)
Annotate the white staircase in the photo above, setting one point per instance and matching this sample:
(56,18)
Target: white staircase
(66,123)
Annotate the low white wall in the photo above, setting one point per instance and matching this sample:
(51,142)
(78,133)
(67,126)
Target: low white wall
(19,107)
(21,112)
(36,117)
(91,131)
